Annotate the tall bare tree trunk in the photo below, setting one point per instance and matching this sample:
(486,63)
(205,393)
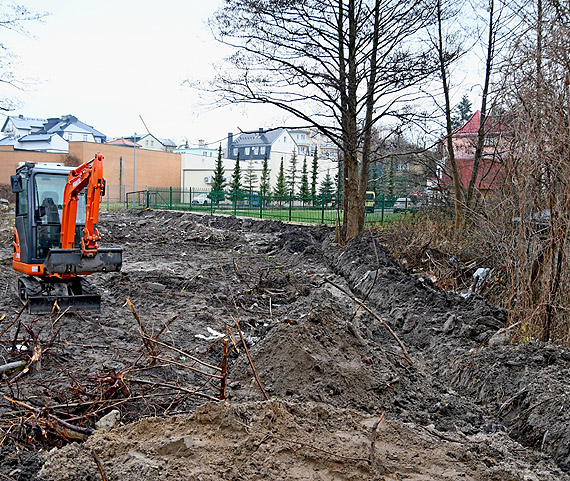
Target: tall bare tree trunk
(365,165)
(457,188)
(350,227)
(481,133)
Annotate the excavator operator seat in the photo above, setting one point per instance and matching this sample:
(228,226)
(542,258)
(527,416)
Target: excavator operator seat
(49,223)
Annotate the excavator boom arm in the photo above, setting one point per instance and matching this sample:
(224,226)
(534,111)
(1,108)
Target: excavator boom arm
(90,175)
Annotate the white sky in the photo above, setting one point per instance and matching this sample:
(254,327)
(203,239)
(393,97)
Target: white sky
(109,61)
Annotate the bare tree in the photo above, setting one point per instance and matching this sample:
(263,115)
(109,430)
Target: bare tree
(537,247)
(337,65)
(13,17)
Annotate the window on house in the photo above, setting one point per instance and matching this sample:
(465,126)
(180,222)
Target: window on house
(402,167)
(255,150)
(146,143)
(490,141)
(152,143)
(205,153)
(84,137)
(69,136)
(247,151)
(262,150)
(235,151)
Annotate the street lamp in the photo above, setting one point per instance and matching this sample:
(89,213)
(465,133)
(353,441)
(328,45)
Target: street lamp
(134,161)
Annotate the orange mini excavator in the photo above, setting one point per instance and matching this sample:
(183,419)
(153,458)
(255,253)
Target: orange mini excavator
(55,235)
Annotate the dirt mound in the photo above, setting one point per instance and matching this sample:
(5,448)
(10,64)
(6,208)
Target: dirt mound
(329,365)
(288,441)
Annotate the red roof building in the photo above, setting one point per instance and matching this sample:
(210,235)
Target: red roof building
(492,168)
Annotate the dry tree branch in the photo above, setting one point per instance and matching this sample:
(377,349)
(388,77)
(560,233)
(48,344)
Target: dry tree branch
(365,307)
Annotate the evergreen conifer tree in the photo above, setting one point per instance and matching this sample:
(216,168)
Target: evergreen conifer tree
(250,178)
(304,191)
(292,173)
(219,181)
(264,184)
(235,184)
(326,194)
(314,173)
(281,186)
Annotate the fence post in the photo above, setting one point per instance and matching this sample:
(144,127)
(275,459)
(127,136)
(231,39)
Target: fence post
(148,199)
(383,205)
(290,204)
(170,197)
(260,204)
(323,209)
(235,201)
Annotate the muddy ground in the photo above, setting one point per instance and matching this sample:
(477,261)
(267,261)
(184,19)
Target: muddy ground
(458,402)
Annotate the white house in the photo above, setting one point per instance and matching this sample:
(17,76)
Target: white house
(150,142)
(37,143)
(48,135)
(278,145)
(18,126)
(198,172)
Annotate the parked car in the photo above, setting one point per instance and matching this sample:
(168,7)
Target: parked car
(201,199)
(403,204)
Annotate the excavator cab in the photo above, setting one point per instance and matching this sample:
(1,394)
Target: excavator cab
(55,235)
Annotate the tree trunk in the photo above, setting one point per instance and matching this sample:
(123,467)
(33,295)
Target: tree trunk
(457,188)
(365,166)
(481,133)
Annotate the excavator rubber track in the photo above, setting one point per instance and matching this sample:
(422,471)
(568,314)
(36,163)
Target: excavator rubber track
(44,295)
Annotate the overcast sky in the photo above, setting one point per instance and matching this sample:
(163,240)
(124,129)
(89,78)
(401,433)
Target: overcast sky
(109,61)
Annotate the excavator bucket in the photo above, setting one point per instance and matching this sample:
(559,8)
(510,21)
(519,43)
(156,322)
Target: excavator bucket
(71,261)
(43,296)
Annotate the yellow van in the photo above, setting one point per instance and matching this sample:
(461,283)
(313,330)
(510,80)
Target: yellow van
(370,199)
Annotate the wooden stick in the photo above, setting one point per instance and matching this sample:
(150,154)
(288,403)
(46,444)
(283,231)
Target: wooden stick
(374,433)
(147,339)
(179,364)
(12,366)
(172,386)
(60,316)
(99,465)
(231,334)
(250,360)
(38,412)
(224,379)
(15,320)
(199,361)
(364,306)
(166,326)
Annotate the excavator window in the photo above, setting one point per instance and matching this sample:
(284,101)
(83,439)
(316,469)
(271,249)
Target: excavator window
(22,197)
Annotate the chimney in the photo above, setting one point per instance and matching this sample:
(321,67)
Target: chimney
(230,144)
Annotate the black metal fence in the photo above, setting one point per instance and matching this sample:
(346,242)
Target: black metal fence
(322,209)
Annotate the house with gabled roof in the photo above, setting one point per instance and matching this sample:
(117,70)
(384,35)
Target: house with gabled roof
(150,142)
(278,145)
(47,135)
(493,165)
(72,129)
(18,125)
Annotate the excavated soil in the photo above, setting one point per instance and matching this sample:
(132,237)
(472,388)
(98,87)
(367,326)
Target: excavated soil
(458,403)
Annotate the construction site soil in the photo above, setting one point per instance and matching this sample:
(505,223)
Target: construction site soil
(370,372)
